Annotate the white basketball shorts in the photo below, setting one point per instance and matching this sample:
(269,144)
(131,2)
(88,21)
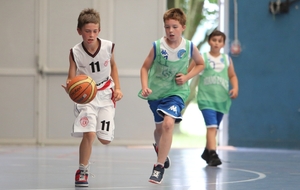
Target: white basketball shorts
(96,116)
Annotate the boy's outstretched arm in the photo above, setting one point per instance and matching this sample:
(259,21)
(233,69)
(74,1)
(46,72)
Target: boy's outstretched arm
(146,91)
(72,71)
(115,76)
(199,63)
(233,81)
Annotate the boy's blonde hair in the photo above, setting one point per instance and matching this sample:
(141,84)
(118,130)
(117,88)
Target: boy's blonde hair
(87,16)
(176,14)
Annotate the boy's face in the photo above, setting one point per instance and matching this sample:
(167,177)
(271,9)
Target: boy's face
(89,32)
(216,43)
(173,29)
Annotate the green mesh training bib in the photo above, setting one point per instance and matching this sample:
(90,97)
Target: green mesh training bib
(213,88)
(161,76)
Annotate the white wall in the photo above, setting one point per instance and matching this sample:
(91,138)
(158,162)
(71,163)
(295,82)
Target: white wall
(35,38)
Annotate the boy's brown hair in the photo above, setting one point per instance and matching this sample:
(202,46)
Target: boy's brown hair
(217,33)
(176,14)
(87,16)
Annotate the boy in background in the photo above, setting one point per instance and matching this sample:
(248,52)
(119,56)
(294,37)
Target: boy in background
(214,96)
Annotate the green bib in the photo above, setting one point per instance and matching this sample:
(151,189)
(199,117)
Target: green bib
(161,76)
(213,88)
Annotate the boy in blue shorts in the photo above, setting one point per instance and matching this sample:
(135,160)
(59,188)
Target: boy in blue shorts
(163,78)
(214,96)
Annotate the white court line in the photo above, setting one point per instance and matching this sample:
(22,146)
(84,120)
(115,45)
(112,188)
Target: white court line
(260,176)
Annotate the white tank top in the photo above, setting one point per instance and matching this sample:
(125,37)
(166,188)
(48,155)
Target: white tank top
(217,63)
(174,54)
(97,65)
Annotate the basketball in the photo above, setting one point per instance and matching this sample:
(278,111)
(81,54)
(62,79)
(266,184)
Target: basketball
(82,89)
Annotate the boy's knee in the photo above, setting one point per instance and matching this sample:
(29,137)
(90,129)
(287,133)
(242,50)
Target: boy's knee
(104,142)
(212,129)
(168,126)
(89,136)
(100,138)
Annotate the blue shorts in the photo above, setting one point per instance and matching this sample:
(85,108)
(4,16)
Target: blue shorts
(212,118)
(171,106)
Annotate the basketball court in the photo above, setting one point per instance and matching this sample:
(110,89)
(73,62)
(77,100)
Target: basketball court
(122,167)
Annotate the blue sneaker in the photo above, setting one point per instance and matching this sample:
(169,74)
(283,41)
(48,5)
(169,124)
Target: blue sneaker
(167,163)
(157,174)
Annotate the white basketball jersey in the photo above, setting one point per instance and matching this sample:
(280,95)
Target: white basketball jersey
(174,54)
(217,63)
(97,65)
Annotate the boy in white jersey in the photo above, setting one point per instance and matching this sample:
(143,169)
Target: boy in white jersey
(93,57)
(165,87)
(214,96)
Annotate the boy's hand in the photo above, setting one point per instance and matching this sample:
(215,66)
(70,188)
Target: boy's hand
(118,95)
(146,92)
(180,78)
(65,87)
(233,93)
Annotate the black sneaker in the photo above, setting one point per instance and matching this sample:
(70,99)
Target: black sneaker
(214,159)
(157,174)
(205,155)
(168,160)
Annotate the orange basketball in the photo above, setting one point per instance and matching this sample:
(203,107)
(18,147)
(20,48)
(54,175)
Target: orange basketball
(82,89)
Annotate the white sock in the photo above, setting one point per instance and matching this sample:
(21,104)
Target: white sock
(83,167)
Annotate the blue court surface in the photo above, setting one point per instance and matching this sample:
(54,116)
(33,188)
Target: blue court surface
(129,167)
